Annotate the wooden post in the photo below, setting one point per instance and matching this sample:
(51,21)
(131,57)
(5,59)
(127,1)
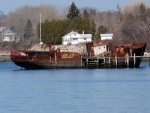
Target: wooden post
(109,60)
(90,55)
(104,60)
(134,60)
(116,61)
(87,62)
(149,61)
(50,56)
(55,58)
(81,61)
(127,58)
(97,63)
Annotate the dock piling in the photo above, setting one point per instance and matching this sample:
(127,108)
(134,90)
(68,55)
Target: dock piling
(116,61)
(149,61)
(127,59)
(55,58)
(112,62)
(134,60)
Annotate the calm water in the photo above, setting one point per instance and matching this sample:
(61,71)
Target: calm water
(74,91)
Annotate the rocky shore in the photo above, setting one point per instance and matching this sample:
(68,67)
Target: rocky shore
(79,48)
(5,56)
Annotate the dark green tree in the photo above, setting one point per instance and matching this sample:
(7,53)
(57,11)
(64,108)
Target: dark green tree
(142,12)
(73,12)
(57,30)
(52,31)
(86,14)
(28,31)
(92,27)
(45,31)
(101,30)
(82,24)
(89,20)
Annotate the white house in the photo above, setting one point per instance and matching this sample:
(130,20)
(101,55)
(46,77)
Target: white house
(106,36)
(76,38)
(7,35)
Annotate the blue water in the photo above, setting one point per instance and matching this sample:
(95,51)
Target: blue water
(74,90)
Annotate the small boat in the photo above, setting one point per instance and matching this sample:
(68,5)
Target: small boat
(124,56)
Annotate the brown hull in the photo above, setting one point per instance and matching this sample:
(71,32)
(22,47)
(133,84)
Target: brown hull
(56,59)
(48,65)
(49,61)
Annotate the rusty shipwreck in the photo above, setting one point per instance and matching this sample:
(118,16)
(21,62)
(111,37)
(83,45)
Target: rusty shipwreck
(94,55)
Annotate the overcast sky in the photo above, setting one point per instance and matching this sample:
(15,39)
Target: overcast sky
(7,6)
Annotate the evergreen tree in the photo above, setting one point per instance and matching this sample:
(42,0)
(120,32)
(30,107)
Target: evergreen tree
(86,14)
(28,32)
(93,27)
(142,12)
(101,30)
(82,24)
(73,12)
(52,31)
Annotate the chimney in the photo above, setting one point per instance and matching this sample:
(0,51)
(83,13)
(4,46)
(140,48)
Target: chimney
(82,32)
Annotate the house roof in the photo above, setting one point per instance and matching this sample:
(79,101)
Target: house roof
(2,29)
(6,31)
(73,33)
(106,35)
(86,35)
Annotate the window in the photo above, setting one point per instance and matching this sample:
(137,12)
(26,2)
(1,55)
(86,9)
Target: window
(74,38)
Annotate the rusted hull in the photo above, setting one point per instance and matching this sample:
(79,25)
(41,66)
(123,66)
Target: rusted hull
(46,65)
(47,60)
(134,52)
(57,59)
(121,63)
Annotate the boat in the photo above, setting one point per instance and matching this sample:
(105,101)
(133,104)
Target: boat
(129,55)
(45,59)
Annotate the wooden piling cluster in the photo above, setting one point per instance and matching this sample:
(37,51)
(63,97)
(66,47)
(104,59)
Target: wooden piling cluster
(113,62)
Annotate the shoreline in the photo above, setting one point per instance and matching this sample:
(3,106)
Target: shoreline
(5,56)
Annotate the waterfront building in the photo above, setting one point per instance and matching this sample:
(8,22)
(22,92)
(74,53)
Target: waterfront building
(76,38)
(107,36)
(7,35)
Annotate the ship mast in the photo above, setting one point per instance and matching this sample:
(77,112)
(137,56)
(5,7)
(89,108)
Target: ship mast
(40,31)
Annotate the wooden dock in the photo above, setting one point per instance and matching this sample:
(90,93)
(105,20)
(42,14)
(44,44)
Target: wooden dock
(113,62)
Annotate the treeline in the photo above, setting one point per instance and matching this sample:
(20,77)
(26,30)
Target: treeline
(28,17)
(75,20)
(131,24)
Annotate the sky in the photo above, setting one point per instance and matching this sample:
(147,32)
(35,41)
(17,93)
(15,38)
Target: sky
(7,6)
